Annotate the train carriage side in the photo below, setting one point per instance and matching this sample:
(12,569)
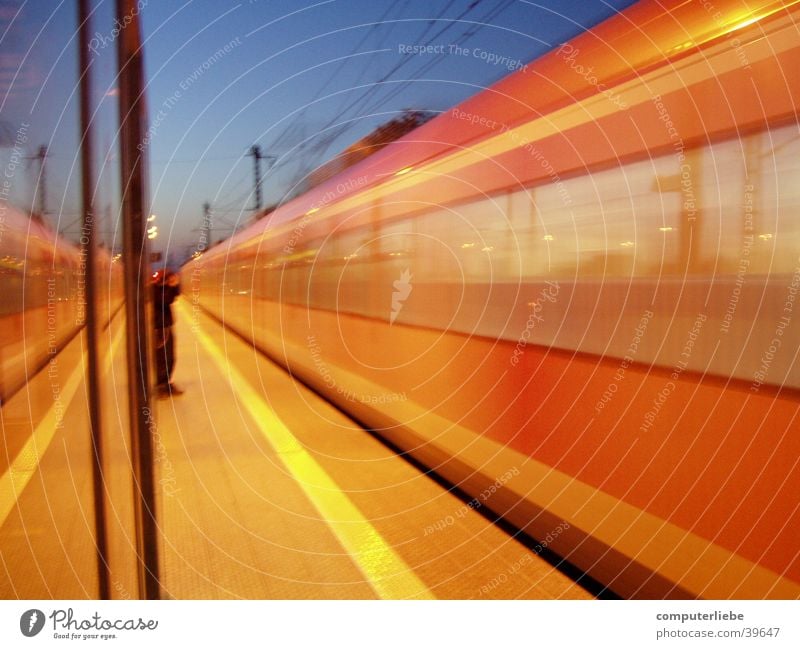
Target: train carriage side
(569,295)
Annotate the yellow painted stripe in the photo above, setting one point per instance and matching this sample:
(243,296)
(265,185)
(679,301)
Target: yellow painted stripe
(19,474)
(387,573)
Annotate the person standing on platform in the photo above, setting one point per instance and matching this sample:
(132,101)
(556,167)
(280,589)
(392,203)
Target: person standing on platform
(166,287)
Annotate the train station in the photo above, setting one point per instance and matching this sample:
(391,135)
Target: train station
(352,300)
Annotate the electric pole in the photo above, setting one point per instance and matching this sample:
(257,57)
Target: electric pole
(41,155)
(206,226)
(255,151)
(42,185)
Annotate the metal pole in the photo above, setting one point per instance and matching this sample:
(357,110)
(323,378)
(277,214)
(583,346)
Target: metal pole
(137,293)
(88,243)
(255,151)
(42,170)
(207,224)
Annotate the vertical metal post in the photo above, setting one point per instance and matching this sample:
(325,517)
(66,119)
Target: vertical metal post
(255,151)
(88,244)
(137,292)
(207,225)
(42,155)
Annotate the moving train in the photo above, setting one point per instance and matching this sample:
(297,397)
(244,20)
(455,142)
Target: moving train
(44,300)
(574,295)
(68,110)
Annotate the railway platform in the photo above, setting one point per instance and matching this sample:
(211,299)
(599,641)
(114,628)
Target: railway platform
(265,491)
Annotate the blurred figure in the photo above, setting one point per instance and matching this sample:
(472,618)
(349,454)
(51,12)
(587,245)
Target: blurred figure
(166,287)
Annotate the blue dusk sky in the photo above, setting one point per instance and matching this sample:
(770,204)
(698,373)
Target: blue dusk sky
(305,79)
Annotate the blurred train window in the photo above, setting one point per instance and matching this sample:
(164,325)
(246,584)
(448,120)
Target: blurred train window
(658,217)
(755,182)
(324,250)
(779,180)
(38,264)
(441,234)
(12,268)
(526,251)
(486,260)
(271,269)
(395,240)
(667,215)
(261,270)
(352,244)
(241,273)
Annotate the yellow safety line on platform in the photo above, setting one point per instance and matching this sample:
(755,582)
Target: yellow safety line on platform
(388,574)
(18,475)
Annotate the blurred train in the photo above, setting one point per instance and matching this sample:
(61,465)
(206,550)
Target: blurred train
(43,304)
(575,296)
(68,110)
